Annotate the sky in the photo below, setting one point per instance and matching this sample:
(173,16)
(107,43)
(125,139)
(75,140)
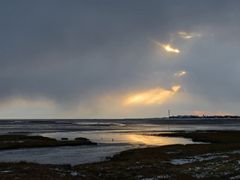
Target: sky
(119,59)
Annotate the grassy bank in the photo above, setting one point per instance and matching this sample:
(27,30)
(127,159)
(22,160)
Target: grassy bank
(220,159)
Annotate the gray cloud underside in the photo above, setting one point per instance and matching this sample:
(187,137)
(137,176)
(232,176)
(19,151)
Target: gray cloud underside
(68,50)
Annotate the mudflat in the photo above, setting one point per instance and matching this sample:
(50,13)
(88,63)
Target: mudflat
(218,157)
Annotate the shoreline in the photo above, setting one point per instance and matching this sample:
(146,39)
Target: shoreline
(190,161)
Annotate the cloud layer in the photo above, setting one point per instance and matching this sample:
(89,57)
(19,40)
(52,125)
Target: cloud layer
(71,55)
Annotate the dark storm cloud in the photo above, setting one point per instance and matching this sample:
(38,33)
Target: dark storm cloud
(74,49)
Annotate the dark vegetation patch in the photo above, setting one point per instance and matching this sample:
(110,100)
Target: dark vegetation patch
(24,141)
(207,136)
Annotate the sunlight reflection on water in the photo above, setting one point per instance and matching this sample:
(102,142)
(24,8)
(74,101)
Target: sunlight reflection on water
(155,140)
(116,137)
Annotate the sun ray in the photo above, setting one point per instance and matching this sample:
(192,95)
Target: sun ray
(151,96)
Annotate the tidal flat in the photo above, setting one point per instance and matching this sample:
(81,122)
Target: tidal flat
(218,157)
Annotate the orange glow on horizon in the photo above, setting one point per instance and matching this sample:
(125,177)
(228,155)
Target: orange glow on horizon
(209,113)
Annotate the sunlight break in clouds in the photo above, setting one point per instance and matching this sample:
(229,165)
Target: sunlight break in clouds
(167,47)
(152,96)
(180,74)
(186,35)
